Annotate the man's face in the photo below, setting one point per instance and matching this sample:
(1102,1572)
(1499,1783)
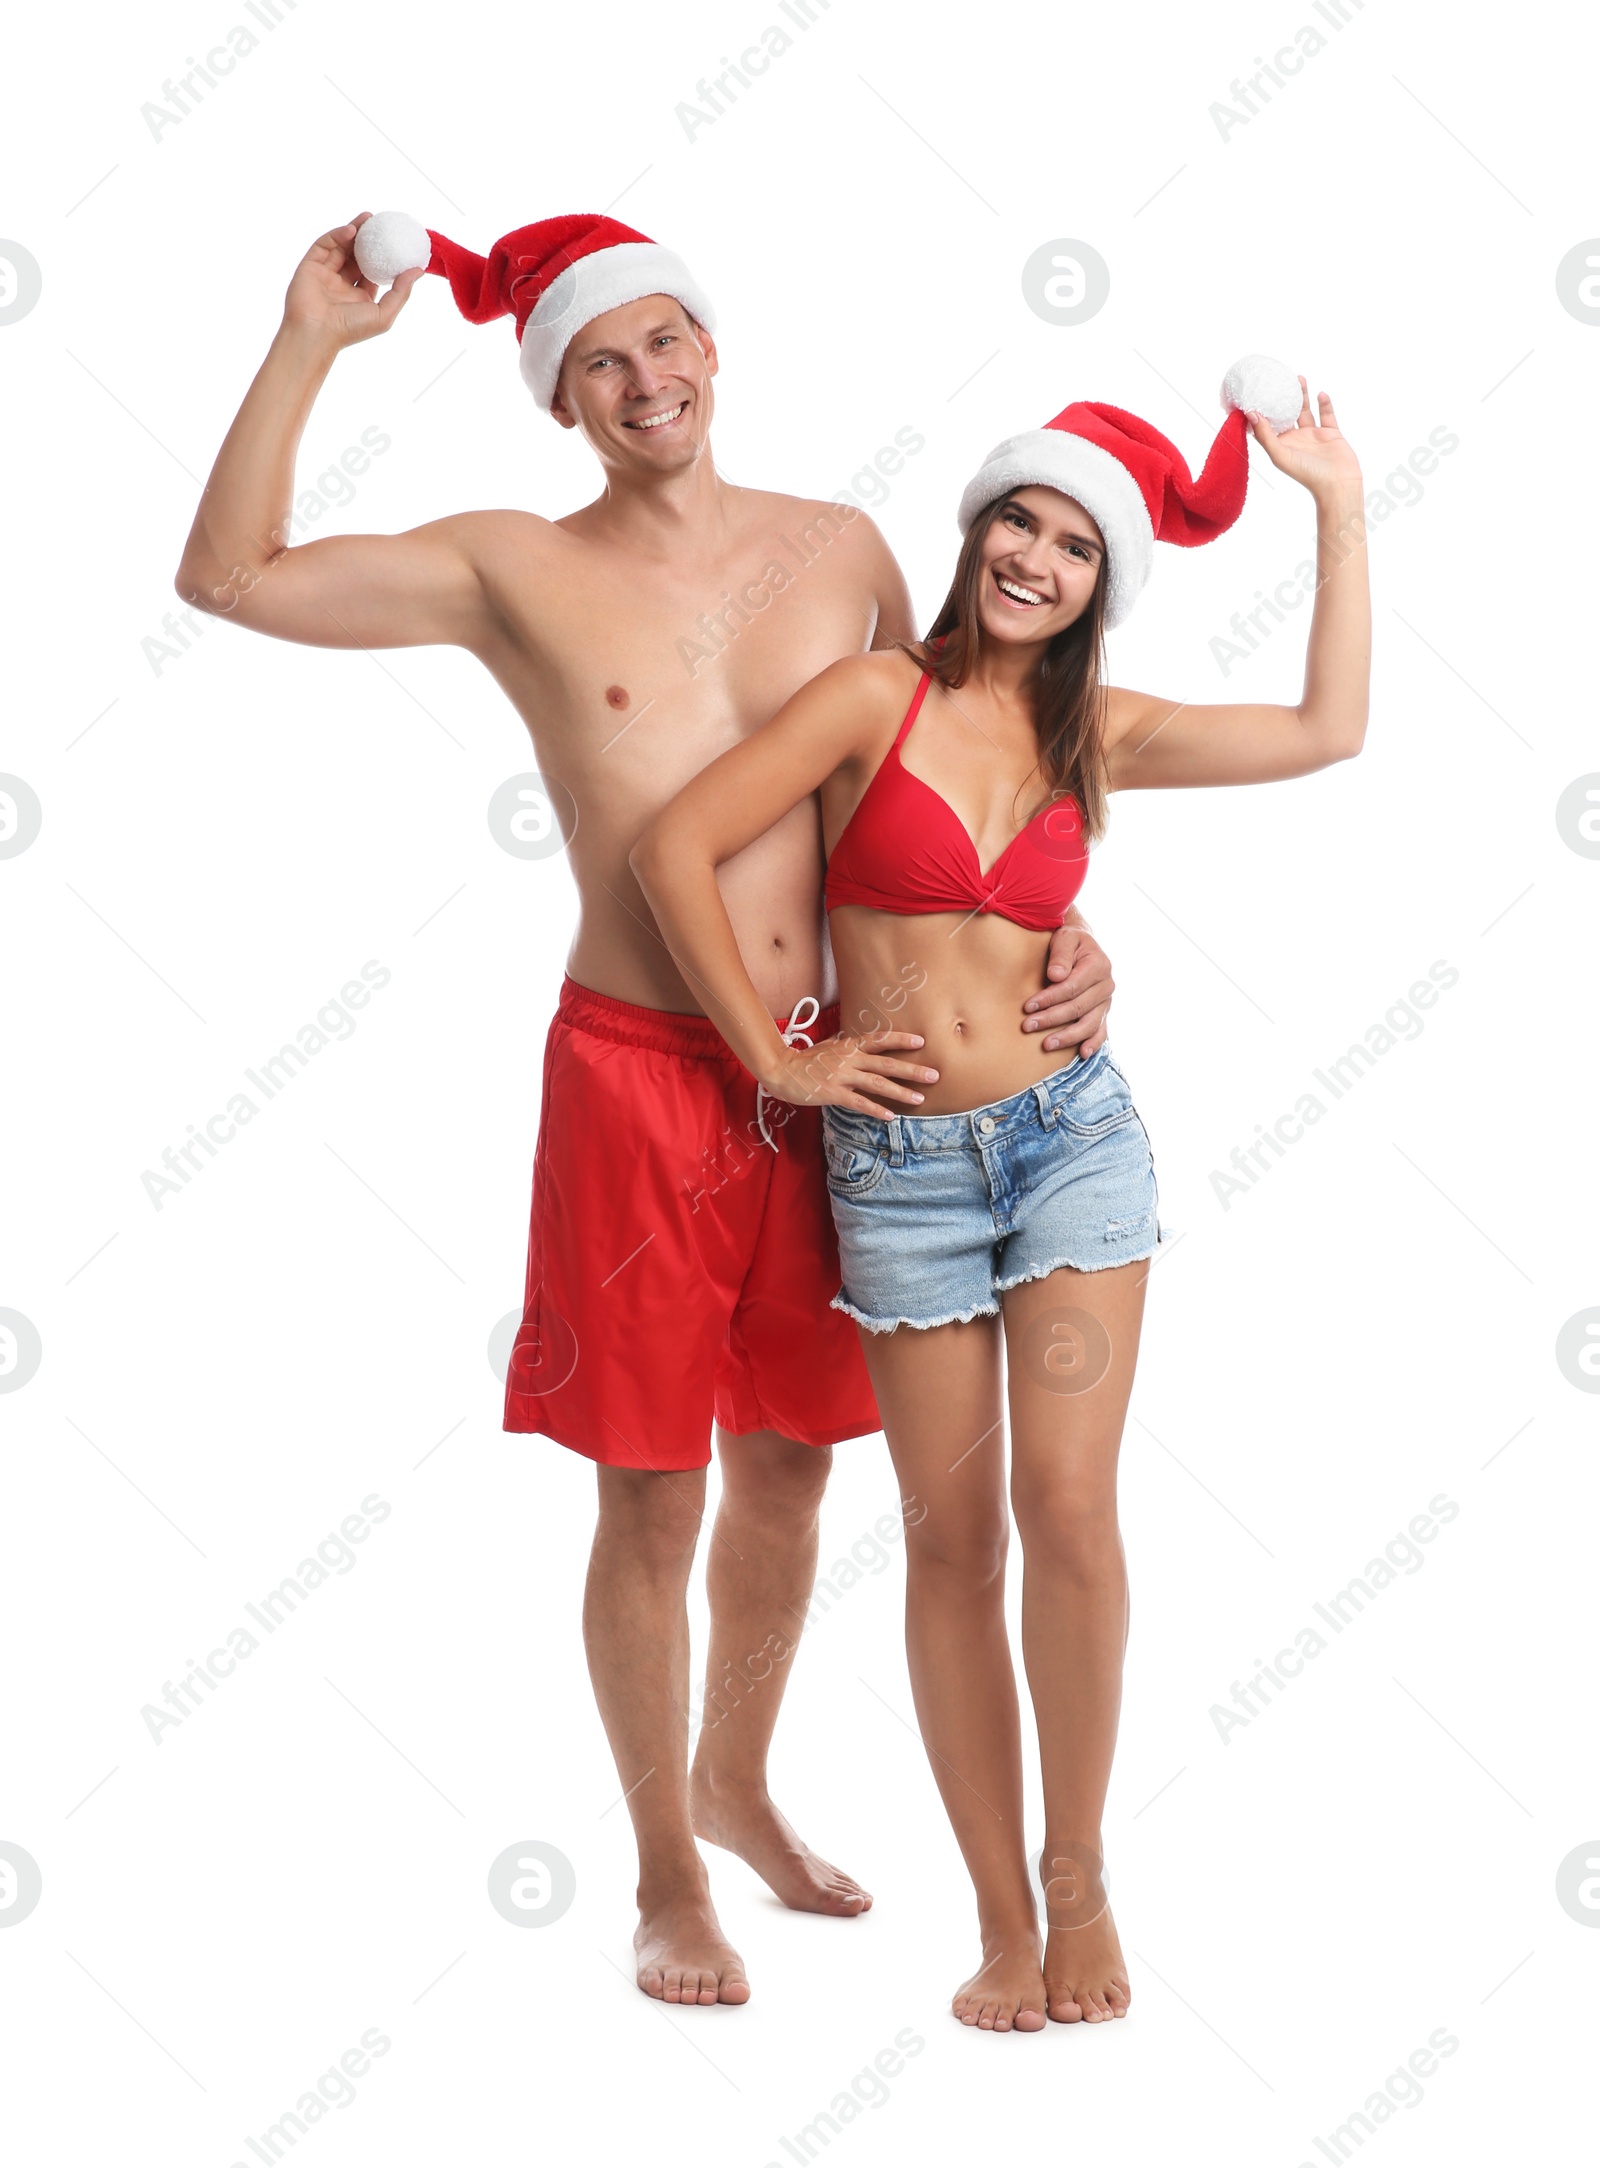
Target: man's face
(637,383)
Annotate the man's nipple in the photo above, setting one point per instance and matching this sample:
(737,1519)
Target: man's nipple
(616,696)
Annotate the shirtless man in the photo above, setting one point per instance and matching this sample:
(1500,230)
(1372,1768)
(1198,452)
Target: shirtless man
(678,1268)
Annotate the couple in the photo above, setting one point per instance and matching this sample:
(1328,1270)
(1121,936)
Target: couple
(704,1130)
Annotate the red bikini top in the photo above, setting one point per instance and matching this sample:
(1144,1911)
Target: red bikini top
(903,849)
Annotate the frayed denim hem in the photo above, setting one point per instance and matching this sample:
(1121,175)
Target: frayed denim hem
(1070,1264)
(917,1324)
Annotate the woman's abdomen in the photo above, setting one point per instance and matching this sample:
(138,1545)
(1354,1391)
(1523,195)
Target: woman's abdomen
(960,982)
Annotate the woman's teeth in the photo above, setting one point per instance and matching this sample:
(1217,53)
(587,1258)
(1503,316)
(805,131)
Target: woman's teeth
(657,421)
(1018,594)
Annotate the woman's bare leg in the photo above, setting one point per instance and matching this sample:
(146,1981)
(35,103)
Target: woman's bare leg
(1072,1341)
(939,1394)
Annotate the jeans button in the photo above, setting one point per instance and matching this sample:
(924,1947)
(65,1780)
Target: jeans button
(986,1126)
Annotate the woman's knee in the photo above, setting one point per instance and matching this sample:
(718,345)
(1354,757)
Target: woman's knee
(1070,1528)
(966,1549)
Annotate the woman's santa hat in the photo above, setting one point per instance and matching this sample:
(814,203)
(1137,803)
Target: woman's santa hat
(1132,481)
(554,277)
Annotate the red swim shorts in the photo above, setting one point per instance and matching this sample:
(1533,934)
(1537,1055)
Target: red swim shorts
(679,1269)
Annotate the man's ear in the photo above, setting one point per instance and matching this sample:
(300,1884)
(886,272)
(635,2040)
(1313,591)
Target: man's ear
(708,346)
(562,413)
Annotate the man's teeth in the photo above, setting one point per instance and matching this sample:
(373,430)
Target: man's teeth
(655,421)
(1021,594)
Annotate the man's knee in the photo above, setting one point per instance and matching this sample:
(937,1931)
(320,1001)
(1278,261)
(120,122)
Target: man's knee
(765,1476)
(655,1518)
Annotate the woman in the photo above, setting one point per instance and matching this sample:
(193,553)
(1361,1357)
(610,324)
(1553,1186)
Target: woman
(985,1191)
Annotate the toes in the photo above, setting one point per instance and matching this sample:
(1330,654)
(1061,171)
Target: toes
(1029,2018)
(735,1988)
(650,1980)
(1119,1995)
(843,1895)
(1064,2006)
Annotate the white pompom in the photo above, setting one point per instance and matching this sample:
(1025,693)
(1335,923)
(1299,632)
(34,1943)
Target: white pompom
(1260,385)
(390,242)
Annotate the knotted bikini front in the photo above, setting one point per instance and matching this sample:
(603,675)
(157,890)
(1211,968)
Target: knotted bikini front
(905,850)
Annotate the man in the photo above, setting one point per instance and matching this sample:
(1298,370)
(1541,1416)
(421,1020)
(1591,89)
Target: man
(680,1267)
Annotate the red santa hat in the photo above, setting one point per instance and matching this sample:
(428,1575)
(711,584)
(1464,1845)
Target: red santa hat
(1132,481)
(554,277)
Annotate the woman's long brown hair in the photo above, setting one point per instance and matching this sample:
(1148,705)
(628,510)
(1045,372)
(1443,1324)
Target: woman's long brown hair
(1069,692)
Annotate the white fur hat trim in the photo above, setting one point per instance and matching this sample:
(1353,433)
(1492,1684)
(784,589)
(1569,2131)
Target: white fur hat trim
(1092,478)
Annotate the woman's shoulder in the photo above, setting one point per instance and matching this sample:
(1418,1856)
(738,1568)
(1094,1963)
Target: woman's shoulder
(859,702)
(882,679)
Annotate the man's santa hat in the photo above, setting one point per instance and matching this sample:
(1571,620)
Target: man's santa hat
(1132,481)
(554,277)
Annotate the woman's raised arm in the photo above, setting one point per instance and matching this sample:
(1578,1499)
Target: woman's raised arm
(1154,744)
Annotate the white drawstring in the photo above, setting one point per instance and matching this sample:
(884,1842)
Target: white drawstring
(796,1033)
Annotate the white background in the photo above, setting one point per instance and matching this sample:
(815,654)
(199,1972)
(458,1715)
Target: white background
(227,839)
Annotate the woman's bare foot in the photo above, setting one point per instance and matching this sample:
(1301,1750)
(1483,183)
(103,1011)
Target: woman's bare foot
(746,1822)
(1084,1970)
(1007,1992)
(683,1956)
(1085,1974)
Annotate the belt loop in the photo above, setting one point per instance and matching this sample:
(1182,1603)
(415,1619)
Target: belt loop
(1047,1106)
(897,1144)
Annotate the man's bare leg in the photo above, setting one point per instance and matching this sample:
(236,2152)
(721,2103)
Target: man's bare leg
(636,1632)
(759,1574)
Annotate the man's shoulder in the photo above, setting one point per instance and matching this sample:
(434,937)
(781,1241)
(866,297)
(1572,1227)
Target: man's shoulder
(502,544)
(503,528)
(770,507)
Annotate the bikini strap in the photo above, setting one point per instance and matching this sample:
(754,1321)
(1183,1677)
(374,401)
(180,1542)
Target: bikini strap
(917,699)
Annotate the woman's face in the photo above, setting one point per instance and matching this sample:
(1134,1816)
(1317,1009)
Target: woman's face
(1040,559)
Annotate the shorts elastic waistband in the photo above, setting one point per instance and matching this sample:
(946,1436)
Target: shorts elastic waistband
(663,1031)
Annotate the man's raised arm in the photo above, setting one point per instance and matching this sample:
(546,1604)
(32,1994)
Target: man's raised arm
(406,590)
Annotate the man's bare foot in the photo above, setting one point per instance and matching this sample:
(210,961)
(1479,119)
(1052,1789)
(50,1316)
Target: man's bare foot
(1007,1992)
(746,1822)
(1084,1971)
(683,1956)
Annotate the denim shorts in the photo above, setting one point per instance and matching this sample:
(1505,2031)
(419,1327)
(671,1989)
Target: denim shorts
(938,1214)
